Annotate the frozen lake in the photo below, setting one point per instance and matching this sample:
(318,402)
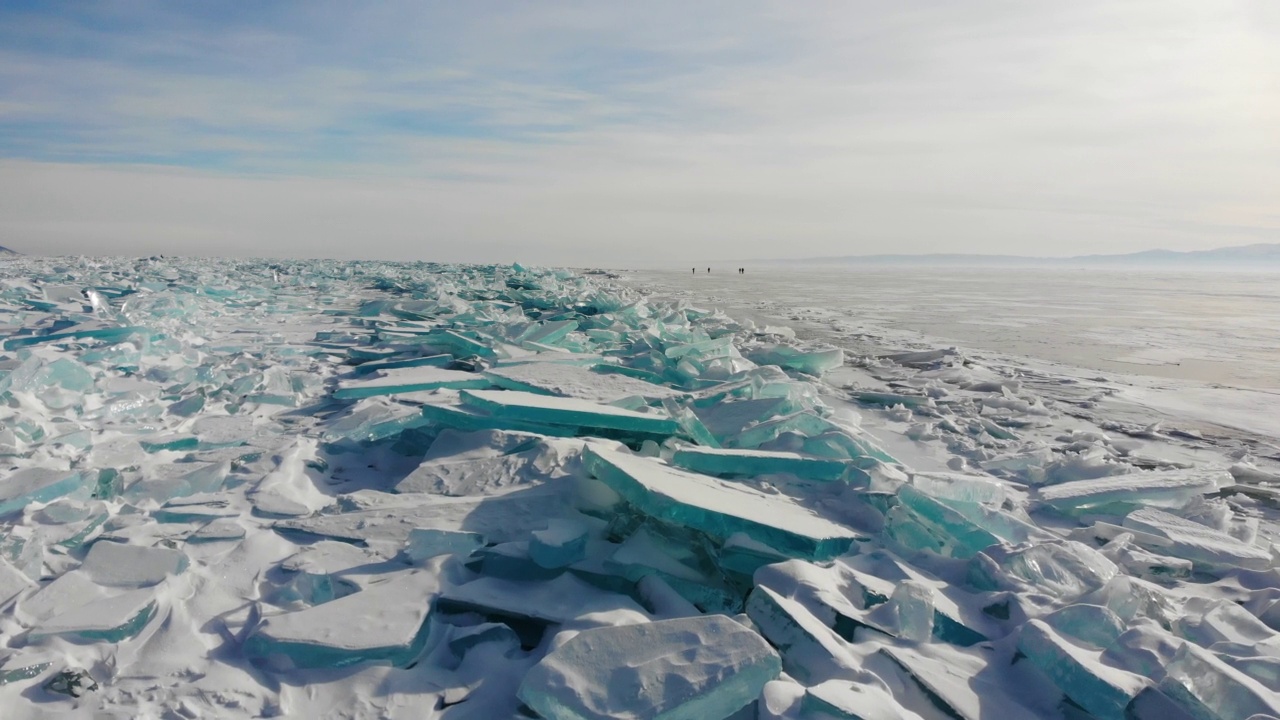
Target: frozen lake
(1212,327)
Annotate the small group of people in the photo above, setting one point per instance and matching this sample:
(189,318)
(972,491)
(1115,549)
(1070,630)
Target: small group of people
(741,271)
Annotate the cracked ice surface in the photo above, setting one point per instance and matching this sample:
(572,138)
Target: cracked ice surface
(321,489)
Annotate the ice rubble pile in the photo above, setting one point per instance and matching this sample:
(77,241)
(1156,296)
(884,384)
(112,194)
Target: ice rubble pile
(236,488)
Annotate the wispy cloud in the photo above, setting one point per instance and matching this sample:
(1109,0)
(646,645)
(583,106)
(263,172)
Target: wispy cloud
(565,131)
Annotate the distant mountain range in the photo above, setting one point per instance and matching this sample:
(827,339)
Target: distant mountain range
(1264,255)
(6,251)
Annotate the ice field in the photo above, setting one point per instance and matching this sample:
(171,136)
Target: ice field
(323,489)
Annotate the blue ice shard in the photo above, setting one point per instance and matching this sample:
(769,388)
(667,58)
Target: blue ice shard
(1065,570)
(427,543)
(714,461)
(87,330)
(920,522)
(700,668)
(959,487)
(811,651)
(912,607)
(561,544)
(716,507)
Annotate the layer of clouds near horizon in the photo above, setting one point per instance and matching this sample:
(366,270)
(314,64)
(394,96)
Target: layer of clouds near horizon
(640,133)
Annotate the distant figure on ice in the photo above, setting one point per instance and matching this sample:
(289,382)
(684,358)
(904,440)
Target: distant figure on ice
(708,271)
(695,271)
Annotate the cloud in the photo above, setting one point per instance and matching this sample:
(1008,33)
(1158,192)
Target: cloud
(562,132)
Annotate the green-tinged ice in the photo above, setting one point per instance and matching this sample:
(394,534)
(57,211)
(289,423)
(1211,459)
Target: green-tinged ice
(713,461)
(716,507)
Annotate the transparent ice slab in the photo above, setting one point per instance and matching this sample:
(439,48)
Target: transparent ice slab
(920,522)
(1065,569)
(703,668)
(562,543)
(979,489)
(118,565)
(811,362)
(716,507)
(427,543)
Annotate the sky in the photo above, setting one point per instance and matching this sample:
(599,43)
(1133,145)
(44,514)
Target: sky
(646,134)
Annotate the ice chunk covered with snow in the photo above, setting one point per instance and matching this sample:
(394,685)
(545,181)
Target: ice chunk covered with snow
(705,667)
(385,623)
(1198,543)
(120,565)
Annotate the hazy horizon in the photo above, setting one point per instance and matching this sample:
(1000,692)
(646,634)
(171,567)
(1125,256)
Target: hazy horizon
(590,135)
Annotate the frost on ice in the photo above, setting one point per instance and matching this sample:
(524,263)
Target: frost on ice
(303,489)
